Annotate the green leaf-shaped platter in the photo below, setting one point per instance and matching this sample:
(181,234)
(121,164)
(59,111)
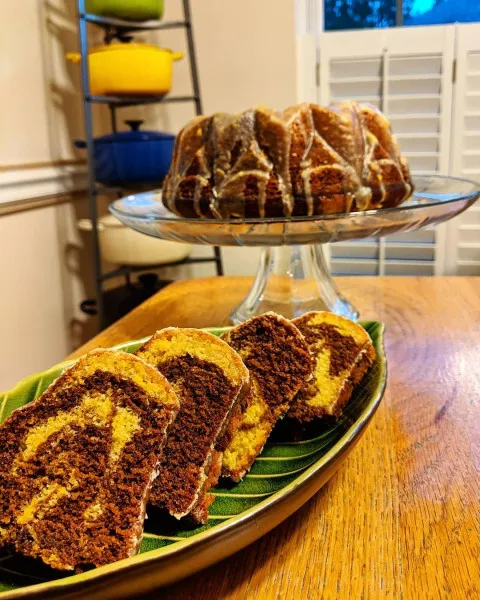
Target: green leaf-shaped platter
(283,477)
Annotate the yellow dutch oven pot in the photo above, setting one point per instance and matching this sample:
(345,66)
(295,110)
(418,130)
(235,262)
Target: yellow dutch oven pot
(129,69)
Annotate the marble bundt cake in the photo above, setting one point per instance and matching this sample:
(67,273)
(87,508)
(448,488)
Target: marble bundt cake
(209,378)
(77,464)
(279,362)
(343,353)
(306,160)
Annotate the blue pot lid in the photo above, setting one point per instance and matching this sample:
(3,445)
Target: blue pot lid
(134,135)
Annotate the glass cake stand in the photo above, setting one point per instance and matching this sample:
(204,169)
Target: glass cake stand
(293,276)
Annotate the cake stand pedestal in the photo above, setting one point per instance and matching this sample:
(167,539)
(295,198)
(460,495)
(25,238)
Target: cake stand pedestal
(293,276)
(292,280)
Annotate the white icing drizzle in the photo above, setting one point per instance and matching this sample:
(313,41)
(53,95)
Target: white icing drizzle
(338,161)
(262,196)
(214,205)
(355,146)
(372,165)
(363,197)
(307,189)
(305,164)
(197,196)
(348,202)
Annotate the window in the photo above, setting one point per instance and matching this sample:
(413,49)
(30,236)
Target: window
(359,14)
(365,14)
(439,12)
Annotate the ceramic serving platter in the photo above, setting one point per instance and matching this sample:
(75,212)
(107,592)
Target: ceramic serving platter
(283,477)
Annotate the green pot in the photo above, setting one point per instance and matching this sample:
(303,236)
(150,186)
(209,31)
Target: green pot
(131,10)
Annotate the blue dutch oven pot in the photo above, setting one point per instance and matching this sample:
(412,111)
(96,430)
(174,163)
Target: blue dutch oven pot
(134,157)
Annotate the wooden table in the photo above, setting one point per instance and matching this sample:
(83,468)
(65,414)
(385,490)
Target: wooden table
(401,518)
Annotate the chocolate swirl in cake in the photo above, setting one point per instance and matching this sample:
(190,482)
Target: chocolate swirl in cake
(77,464)
(209,379)
(343,353)
(279,362)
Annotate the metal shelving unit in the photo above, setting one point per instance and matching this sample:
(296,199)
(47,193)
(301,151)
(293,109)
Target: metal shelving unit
(114,27)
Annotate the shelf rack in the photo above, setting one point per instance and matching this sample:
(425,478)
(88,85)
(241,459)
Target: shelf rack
(112,28)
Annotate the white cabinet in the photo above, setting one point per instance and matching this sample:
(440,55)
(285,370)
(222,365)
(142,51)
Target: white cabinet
(463,255)
(427,81)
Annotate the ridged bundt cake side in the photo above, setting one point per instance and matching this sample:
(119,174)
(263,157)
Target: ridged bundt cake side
(306,160)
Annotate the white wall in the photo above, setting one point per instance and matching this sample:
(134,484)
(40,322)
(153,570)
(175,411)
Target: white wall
(41,267)
(42,262)
(246,55)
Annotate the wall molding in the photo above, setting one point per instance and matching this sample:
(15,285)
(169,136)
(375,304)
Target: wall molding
(18,206)
(42,164)
(40,180)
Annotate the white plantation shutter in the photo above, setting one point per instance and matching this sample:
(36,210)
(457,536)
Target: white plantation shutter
(407,73)
(463,241)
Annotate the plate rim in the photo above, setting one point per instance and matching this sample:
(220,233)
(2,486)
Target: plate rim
(469,196)
(74,582)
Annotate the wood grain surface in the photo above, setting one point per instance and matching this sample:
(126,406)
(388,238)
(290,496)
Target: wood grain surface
(401,519)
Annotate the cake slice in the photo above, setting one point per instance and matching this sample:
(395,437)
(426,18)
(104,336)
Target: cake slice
(209,378)
(279,362)
(343,353)
(77,464)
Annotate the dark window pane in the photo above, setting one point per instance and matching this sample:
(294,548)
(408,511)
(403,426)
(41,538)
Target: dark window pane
(438,12)
(359,14)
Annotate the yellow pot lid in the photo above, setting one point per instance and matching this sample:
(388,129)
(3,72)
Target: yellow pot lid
(129,46)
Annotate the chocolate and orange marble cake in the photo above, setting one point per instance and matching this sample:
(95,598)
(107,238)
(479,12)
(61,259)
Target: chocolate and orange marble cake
(77,464)
(343,352)
(209,378)
(302,161)
(279,362)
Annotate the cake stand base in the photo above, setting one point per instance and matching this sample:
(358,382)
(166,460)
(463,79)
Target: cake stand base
(292,280)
